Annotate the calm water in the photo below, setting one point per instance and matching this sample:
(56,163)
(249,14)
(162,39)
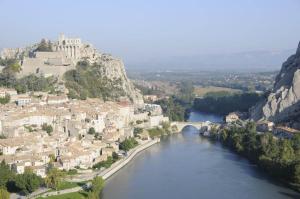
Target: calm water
(191,167)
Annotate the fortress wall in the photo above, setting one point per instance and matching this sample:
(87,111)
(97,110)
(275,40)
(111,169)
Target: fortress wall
(35,66)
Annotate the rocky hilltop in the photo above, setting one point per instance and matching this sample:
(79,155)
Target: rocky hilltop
(101,75)
(282,105)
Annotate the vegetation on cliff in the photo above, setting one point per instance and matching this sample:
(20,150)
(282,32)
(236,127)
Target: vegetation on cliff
(88,81)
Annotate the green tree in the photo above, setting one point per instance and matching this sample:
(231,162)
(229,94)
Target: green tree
(296,174)
(54,177)
(92,131)
(44,46)
(5,100)
(137,131)
(15,67)
(4,194)
(96,188)
(128,144)
(47,128)
(28,182)
(286,152)
(5,174)
(296,145)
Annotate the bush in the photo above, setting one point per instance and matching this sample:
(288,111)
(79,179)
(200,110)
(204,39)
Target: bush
(107,163)
(47,128)
(128,144)
(4,100)
(156,132)
(137,131)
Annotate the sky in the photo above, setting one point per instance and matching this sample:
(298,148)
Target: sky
(141,31)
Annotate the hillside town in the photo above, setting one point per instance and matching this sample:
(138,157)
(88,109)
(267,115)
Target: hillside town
(39,128)
(42,127)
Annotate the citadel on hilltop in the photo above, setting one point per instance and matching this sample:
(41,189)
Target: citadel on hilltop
(61,57)
(55,58)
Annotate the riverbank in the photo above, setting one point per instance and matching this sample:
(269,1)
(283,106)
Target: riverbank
(105,174)
(277,157)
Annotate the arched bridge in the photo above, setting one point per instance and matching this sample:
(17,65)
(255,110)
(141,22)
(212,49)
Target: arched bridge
(181,125)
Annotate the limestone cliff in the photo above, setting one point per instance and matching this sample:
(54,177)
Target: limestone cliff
(283,103)
(114,69)
(104,78)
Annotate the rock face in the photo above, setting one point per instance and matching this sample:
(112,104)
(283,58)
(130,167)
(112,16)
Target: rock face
(283,103)
(114,70)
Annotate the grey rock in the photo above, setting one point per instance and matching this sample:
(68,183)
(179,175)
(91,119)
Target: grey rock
(283,103)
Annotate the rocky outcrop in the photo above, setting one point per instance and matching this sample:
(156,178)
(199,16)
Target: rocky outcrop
(114,69)
(283,103)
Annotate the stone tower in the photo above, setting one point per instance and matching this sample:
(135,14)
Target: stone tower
(71,46)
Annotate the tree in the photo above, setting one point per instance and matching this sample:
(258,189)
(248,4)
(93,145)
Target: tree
(137,131)
(296,145)
(47,128)
(28,182)
(15,67)
(5,174)
(5,100)
(128,144)
(54,177)
(296,173)
(286,152)
(96,188)
(4,194)
(92,131)
(44,46)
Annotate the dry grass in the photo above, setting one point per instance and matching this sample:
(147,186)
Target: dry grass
(200,91)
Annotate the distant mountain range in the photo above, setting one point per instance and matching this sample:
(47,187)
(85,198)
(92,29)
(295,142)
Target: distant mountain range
(253,61)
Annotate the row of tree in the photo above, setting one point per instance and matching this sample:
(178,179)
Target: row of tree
(223,103)
(278,157)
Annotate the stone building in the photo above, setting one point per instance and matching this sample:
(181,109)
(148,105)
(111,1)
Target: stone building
(71,46)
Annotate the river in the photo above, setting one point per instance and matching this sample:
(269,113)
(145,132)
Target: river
(189,166)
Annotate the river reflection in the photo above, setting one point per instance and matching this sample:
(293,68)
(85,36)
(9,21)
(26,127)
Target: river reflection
(188,166)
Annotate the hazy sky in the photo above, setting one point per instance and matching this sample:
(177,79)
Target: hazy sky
(138,30)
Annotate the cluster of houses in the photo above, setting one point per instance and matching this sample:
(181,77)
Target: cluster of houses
(80,133)
(281,131)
